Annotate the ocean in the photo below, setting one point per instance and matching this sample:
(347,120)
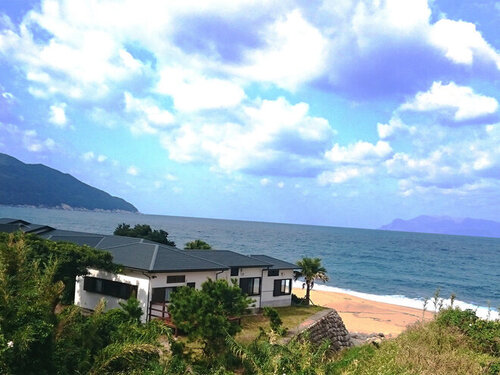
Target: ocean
(395,267)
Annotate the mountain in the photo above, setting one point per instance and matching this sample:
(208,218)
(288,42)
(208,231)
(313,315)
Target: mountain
(446,225)
(39,185)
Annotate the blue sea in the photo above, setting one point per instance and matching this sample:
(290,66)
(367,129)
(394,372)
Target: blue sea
(396,267)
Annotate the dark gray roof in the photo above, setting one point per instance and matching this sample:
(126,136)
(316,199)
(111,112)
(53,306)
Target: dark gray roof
(229,258)
(138,253)
(276,263)
(7,220)
(150,256)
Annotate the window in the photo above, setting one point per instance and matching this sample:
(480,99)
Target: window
(273,272)
(191,285)
(176,279)
(109,287)
(163,294)
(235,271)
(250,285)
(282,287)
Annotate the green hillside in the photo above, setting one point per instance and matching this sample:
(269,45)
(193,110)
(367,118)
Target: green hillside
(39,185)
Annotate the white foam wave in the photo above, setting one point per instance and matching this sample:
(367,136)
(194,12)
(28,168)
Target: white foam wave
(416,303)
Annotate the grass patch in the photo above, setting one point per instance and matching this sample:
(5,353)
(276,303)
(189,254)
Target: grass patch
(291,316)
(427,349)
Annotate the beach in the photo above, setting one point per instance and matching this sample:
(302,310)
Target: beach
(365,316)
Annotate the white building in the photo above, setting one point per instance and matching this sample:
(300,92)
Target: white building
(151,271)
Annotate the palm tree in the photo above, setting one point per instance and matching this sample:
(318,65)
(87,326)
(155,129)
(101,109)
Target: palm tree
(311,270)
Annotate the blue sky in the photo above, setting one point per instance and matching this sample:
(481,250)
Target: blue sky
(345,113)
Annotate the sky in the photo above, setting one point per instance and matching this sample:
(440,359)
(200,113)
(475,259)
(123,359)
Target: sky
(340,113)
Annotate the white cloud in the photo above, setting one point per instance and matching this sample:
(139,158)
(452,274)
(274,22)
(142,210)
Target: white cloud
(102,158)
(264,181)
(32,142)
(461,101)
(89,155)
(58,115)
(171,177)
(461,42)
(295,53)
(394,128)
(359,153)
(149,110)
(132,170)
(343,174)
(192,92)
(272,135)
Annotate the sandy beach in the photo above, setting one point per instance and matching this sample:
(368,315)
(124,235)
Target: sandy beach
(365,316)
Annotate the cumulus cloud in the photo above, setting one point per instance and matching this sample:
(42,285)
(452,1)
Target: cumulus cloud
(58,115)
(394,128)
(355,160)
(272,136)
(359,153)
(147,108)
(364,48)
(191,91)
(90,155)
(295,52)
(462,43)
(460,101)
(133,170)
(343,174)
(452,165)
(392,47)
(33,142)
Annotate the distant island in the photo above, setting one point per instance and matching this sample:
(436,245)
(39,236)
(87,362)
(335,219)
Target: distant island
(38,185)
(446,225)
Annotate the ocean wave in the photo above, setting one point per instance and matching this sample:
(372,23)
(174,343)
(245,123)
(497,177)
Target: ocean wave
(400,300)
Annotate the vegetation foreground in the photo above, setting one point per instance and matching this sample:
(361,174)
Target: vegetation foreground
(38,336)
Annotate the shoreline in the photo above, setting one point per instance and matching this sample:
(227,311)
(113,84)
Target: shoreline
(365,316)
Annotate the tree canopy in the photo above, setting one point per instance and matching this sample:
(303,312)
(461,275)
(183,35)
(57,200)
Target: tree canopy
(311,270)
(203,314)
(144,231)
(72,260)
(197,245)
(34,339)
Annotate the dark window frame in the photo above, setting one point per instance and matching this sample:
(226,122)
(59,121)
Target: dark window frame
(176,279)
(247,285)
(235,271)
(273,272)
(281,286)
(110,288)
(159,295)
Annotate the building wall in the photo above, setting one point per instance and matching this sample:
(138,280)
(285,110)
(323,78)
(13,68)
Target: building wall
(267,286)
(144,284)
(89,300)
(159,280)
(268,299)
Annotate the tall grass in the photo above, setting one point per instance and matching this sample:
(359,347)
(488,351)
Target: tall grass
(447,345)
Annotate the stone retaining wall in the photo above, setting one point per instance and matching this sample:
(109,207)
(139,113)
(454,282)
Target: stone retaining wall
(329,327)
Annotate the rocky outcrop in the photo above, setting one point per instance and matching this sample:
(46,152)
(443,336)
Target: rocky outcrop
(363,338)
(328,326)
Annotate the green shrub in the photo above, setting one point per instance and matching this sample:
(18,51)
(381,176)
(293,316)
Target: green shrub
(274,320)
(298,301)
(484,333)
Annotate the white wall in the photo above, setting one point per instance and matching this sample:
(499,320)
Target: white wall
(268,287)
(266,298)
(89,300)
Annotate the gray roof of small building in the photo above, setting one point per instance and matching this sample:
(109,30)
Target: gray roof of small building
(145,255)
(229,258)
(276,263)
